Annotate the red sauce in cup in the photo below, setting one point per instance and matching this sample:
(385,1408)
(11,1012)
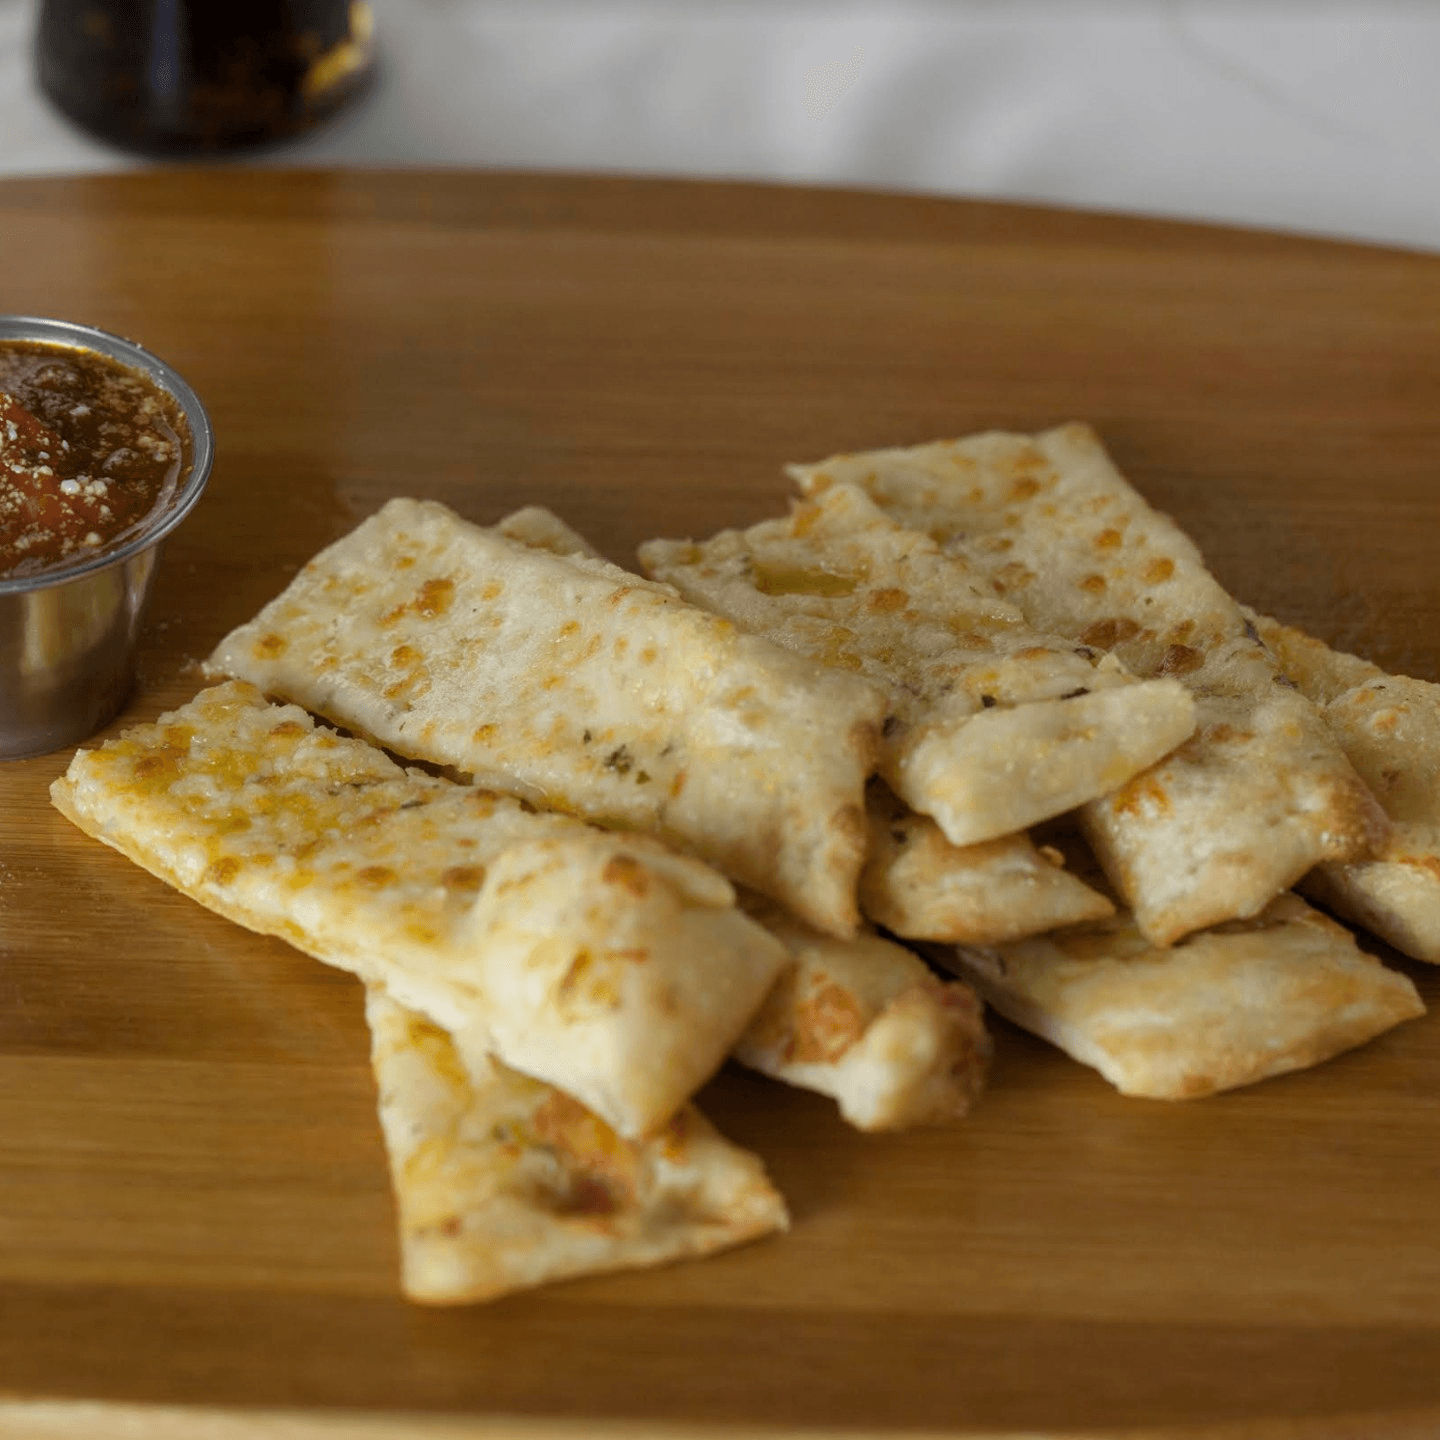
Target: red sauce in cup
(88,449)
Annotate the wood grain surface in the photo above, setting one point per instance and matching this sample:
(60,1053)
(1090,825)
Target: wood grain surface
(194,1209)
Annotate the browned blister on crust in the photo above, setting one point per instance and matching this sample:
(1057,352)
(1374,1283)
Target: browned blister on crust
(993,725)
(1261,792)
(599,962)
(867,1023)
(1253,800)
(1247,1000)
(569,682)
(503,1182)
(1389,729)
(917,885)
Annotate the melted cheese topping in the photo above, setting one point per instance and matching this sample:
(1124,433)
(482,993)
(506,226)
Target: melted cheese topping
(1260,793)
(599,962)
(993,725)
(569,681)
(1250,999)
(504,1182)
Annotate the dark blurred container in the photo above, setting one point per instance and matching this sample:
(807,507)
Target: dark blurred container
(198,77)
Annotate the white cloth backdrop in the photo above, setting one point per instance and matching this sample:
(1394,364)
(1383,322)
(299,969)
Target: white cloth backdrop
(1319,117)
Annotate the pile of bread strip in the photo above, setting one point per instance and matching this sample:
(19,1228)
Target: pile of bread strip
(660,818)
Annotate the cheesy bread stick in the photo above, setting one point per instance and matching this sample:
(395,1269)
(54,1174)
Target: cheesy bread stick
(1261,792)
(576,685)
(598,962)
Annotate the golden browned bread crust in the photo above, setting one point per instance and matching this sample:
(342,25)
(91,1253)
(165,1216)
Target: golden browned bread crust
(921,887)
(503,1182)
(570,682)
(993,725)
(599,962)
(1227,1007)
(1261,792)
(1389,729)
(866,1022)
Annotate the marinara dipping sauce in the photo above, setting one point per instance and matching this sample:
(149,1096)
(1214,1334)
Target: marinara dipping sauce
(88,449)
(104,450)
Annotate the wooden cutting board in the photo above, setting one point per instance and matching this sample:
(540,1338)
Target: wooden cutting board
(193,1201)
